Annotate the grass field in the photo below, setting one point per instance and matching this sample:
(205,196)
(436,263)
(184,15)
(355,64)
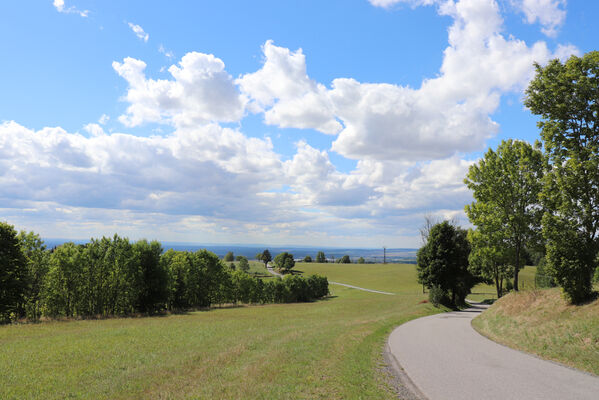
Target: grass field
(541,322)
(328,349)
(526,281)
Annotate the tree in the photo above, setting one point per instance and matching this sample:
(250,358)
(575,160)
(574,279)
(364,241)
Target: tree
(13,273)
(566,97)
(490,258)
(229,257)
(506,184)
(320,257)
(265,257)
(308,259)
(37,262)
(345,259)
(284,261)
(443,263)
(361,260)
(244,264)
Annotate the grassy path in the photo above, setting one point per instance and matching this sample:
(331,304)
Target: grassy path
(329,349)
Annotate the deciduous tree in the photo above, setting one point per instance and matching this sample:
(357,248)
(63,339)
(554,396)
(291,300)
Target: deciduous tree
(506,184)
(566,97)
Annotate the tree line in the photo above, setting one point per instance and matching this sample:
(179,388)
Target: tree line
(542,198)
(113,276)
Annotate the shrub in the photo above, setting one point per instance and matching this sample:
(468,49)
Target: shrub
(438,296)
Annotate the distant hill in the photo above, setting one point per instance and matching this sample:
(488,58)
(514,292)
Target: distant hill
(405,255)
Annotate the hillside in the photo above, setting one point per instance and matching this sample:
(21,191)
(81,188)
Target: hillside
(543,323)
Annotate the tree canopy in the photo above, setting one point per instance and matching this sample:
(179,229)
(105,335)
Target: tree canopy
(505,185)
(284,261)
(443,263)
(566,97)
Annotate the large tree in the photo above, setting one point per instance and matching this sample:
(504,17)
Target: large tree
(566,97)
(443,262)
(506,184)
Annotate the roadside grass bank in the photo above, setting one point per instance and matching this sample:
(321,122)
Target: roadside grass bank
(482,292)
(543,323)
(329,349)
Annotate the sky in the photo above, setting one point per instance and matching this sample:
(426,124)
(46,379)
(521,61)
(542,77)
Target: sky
(300,122)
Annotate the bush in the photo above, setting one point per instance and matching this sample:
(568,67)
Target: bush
(308,259)
(438,296)
(229,257)
(345,260)
(284,261)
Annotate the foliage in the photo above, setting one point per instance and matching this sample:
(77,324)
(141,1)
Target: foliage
(542,277)
(111,276)
(229,257)
(438,296)
(443,262)
(13,274)
(345,259)
(566,97)
(489,258)
(506,184)
(320,257)
(308,259)
(284,261)
(265,257)
(361,260)
(244,264)
(37,261)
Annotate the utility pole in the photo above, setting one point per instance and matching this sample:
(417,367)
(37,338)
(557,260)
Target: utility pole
(384,254)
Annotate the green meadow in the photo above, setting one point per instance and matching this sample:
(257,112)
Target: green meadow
(329,349)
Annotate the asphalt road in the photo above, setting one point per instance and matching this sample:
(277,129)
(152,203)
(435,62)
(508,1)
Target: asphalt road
(445,358)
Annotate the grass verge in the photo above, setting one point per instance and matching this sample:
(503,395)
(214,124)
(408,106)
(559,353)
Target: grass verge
(541,322)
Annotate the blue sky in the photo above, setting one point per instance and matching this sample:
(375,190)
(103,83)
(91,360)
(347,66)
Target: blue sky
(335,123)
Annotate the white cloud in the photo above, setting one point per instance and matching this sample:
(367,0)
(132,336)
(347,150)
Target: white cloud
(551,14)
(283,90)
(167,53)
(103,119)
(448,113)
(207,170)
(202,91)
(61,8)
(139,32)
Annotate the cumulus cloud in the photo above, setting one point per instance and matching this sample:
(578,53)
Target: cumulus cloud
(201,91)
(61,8)
(288,97)
(139,32)
(551,14)
(446,114)
(208,170)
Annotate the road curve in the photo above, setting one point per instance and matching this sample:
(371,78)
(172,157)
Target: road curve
(445,358)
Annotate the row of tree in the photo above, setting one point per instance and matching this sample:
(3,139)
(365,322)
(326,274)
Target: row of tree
(321,258)
(113,276)
(543,197)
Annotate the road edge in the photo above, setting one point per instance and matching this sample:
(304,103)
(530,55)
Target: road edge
(400,381)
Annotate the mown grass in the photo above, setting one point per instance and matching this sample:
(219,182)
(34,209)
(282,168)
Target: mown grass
(543,323)
(328,349)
